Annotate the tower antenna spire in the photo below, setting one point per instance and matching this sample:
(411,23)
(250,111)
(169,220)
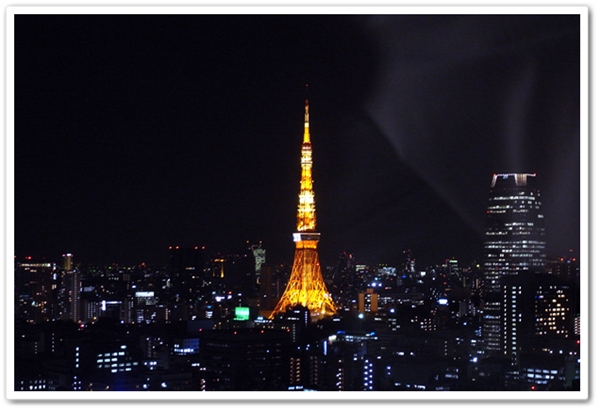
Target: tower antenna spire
(306,119)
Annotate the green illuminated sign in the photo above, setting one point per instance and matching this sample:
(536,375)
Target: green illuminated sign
(242,313)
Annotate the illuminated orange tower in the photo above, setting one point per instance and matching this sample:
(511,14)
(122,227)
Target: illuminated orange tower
(306,286)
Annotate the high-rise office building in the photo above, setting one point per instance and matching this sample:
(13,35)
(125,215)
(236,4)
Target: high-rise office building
(260,258)
(187,260)
(514,243)
(68,262)
(187,265)
(408,265)
(35,286)
(268,293)
(350,362)
(367,302)
(537,314)
(72,289)
(345,283)
(228,355)
(566,267)
(306,286)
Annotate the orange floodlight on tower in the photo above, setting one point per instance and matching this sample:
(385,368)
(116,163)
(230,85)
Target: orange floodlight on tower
(306,286)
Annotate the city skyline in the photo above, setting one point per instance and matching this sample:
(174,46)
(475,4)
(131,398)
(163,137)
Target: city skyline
(133,142)
(173,140)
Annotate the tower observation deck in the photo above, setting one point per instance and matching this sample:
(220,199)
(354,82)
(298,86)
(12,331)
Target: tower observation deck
(306,286)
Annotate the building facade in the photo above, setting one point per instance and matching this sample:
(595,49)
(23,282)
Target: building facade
(514,243)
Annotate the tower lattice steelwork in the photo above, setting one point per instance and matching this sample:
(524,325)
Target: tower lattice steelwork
(306,286)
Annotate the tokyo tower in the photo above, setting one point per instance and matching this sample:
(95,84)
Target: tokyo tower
(306,286)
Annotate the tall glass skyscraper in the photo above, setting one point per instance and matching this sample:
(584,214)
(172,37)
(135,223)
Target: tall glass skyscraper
(514,242)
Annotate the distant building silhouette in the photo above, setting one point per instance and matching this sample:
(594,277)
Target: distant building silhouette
(245,359)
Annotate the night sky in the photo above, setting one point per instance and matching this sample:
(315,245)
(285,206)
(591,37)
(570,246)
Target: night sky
(133,133)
